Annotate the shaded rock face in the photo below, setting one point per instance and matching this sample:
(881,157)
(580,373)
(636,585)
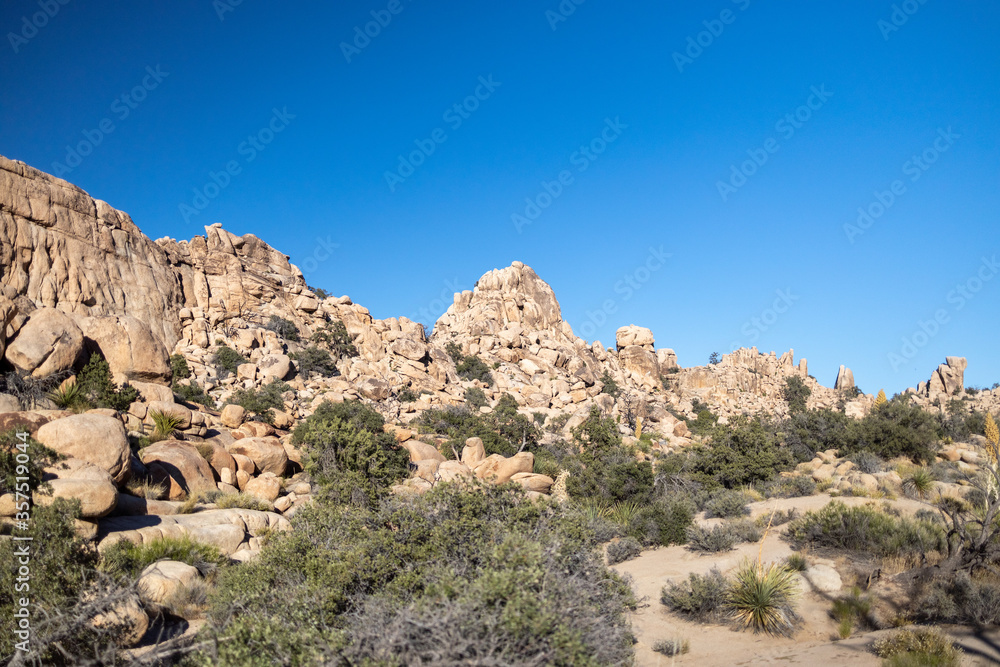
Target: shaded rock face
(949,378)
(845,379)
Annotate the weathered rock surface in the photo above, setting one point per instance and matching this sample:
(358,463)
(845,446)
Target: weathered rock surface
(182,464)
(48,342)
(93,438)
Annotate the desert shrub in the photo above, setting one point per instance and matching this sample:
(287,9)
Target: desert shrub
(100,391)
(125,560)
(796,393)
(917,646)
(727,503)
(314,361)
(320,293)
(704,423)
(810,431)
(741,453)
(475,397)
(30,391)
(745,530)
(407,395)
(557,423)
(164,424)
(261,403)
(284,328)
(503,431)
(898,428)
(471,367)
(720,537)
(145,488)
(194,393)
(867,462)
(624,549)
(700,597)
(672,647)
(226,360)
(61,566)
(242,501)
(797,562)
(348,453)
(449,577)
(605,469)
(795,486)
(853,609)
(610,387)
(661,522)
(761,598)
(866,529)
(962,599)
(179,367)
(335,337)
(22,463)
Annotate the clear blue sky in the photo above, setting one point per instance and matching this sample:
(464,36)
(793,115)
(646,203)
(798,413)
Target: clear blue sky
(679,124)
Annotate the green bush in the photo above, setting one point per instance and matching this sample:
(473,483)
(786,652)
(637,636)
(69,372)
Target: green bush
(407,395)
(243,501)
(315,361)
(718,538)
(336,339)
(349,454)
(610,387)
(662,522)
(741,453)
(503,431)
(727,503)
(320,293)
(795,486)
(469,367)
(475,397)
(125,560)
(866,529)
(179,367)
(284,328)
(624,549)
(448,577)
(26,476)
(700,597)
(194,393)
(704,423)
(261,403)
(227,360)
(100,391)
(795,393)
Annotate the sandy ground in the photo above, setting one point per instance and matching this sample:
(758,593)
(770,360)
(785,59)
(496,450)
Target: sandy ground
(816,641)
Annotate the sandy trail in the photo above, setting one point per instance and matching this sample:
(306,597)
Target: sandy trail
(816,641)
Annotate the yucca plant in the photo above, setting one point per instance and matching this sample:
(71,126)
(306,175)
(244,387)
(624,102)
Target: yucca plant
(624,513)
(992,451)
(638,427)
(761,598)
(595,510)
(919,483)
(164,424)
(69,396)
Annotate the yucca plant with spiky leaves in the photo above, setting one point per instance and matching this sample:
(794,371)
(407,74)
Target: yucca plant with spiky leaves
(880,400)
(919,483)
(69,396)
(164,424)
(761,598)
(638,427)
(624,512)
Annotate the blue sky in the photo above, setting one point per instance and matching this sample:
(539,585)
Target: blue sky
(590,141)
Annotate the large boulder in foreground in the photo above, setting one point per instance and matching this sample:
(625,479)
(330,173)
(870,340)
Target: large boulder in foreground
(49,342)
(94,438)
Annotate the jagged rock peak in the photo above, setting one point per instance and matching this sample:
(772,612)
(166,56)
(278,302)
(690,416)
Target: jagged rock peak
(502,297)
